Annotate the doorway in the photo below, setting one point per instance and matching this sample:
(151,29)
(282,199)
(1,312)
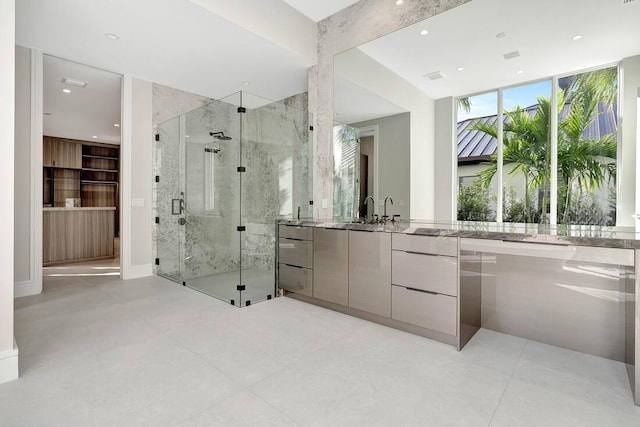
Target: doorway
(80,171)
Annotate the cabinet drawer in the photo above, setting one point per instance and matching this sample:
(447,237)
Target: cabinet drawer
(296,279)
(425,244)
(427,272)
(437,312)
(295,252)
(295,232)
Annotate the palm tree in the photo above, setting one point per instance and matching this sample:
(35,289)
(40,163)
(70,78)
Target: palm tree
(586,162)
(582,161)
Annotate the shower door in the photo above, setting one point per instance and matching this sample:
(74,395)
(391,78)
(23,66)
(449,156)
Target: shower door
(212,201)
(169,193)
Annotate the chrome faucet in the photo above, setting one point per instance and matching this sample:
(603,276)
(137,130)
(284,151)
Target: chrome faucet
(372,209)
(384,215)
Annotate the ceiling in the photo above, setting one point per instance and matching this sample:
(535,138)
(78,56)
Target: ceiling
(208,47)
(542,31)
(86,112)
(319,10)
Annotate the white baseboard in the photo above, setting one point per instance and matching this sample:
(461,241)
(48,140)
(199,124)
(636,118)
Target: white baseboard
(136,271)
(9,364)
(26,288)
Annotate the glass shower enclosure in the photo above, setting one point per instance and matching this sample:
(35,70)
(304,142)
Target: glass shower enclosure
(224,173)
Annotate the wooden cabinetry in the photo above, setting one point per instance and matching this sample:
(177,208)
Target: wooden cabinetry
(61,153)
(370,272)
(331,265)
(99,180)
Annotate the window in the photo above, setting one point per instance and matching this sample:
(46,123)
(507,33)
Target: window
(554,167)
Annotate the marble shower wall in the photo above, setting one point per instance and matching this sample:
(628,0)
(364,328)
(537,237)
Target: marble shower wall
(362,22)
(277,153)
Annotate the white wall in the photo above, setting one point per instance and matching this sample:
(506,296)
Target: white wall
(22,184)
(8,351)
(136,195)
(445,160)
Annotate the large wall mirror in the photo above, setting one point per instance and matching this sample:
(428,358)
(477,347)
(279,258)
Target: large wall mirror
(429,96)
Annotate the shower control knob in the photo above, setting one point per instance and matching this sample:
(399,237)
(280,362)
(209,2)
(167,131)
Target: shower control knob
(182,221)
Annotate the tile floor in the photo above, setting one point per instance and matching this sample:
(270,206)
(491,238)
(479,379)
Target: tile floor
(98,351)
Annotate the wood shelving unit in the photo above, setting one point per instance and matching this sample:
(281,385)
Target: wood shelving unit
(81,170)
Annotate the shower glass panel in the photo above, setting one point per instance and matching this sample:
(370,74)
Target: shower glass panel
(275,153)
(227,171)
(169,194)
(212,200)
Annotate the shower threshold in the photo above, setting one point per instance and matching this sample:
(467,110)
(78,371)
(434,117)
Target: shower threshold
(259,286)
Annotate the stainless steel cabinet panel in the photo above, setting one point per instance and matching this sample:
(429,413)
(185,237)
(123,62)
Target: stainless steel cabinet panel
(431,311)
(426,244)
(331,265)
(296,279)
(295,232)
(428,272)
(295,252)
(370,272)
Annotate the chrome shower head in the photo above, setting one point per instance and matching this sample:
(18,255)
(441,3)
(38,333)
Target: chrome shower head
(220,135)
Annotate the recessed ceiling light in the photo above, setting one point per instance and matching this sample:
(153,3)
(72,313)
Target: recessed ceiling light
(116,125)
(246,83)
(111,36)
(460,69)
(519,71)
(95,137)
(424,32)
(186,136)
(501,35)
(577,37)
(399,2)
(66,90)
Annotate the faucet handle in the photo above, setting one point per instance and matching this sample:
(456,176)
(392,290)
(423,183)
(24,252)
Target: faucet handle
(394,218)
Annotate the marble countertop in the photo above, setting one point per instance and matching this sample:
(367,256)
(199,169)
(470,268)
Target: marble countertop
(581,235)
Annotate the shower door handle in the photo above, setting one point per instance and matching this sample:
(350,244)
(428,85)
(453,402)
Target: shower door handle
(177,206)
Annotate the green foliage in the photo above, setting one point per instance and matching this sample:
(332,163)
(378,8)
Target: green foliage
(474,203)
(585,209)
(517,210)
(583,164)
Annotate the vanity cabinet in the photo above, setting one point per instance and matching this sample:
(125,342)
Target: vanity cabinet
(295,259)
(425,281)
(331,265)
(370,272)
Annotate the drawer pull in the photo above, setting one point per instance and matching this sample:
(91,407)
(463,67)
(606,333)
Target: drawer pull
(422,290)
(424,253)
(290,265)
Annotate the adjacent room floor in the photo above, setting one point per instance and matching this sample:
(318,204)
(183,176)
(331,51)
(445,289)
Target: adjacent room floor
(98,351)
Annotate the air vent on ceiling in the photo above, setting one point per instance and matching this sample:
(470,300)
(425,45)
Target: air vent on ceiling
(511,55)
(435,75)
(74,82)
(627,1)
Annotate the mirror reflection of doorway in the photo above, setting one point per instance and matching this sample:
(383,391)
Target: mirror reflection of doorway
(366,174)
